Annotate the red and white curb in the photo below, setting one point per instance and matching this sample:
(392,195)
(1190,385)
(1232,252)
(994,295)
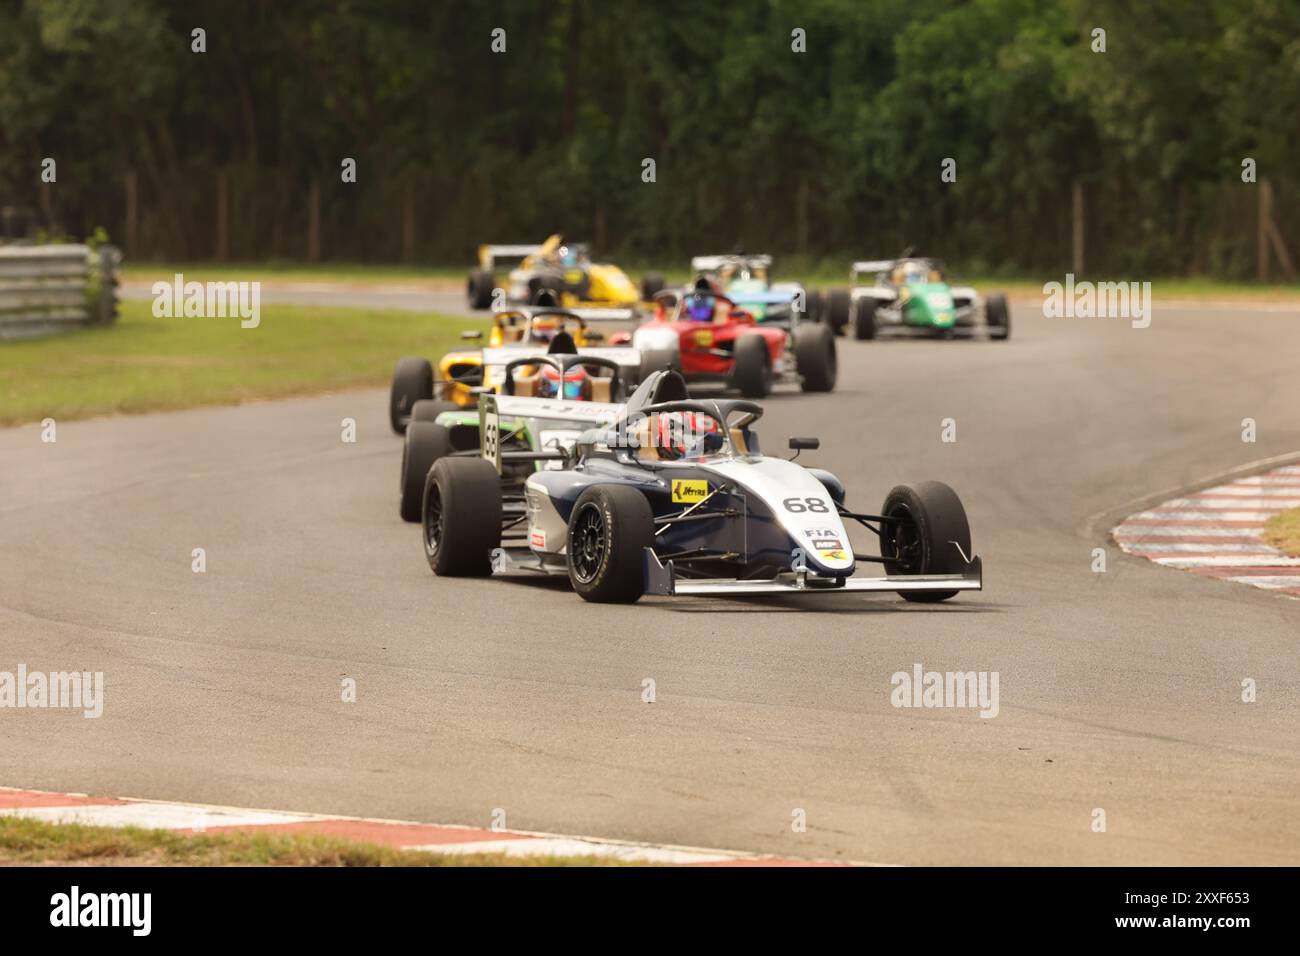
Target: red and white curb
(431,838)
(1219,532)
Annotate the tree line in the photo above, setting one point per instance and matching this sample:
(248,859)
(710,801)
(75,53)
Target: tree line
(998,134)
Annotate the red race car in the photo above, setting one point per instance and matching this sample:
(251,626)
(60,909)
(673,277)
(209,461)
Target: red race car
(708,338)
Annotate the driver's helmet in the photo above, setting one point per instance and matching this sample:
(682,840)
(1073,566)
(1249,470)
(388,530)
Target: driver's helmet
(680,432)
(549,384)
(700,306)
(914,272)
(568,256)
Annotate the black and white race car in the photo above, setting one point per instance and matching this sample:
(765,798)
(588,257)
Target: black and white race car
(675,497)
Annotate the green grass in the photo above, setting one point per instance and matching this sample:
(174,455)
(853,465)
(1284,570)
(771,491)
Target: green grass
(144,364)
(1283,531)
(346,272)
(817,272)
(34,842)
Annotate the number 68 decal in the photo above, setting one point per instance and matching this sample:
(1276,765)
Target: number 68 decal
(800,505)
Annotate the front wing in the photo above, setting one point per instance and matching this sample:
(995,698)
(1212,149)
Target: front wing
(660,578)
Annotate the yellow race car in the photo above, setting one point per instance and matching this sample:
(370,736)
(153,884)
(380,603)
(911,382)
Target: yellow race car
(461,375)
(565,271)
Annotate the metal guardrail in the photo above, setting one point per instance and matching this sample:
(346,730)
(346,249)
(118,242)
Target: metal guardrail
(48,289)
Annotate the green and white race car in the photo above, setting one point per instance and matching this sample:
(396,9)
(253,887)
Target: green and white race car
(911,296)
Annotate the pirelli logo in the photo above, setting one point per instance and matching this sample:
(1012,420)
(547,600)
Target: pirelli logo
(686,491)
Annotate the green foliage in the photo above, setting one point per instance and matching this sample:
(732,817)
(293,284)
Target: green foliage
(835,151)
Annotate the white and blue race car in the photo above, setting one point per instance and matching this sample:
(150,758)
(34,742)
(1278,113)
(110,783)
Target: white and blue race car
(674,496)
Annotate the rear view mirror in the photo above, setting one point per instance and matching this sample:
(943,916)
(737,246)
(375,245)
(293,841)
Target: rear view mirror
(805,444)
(471,334)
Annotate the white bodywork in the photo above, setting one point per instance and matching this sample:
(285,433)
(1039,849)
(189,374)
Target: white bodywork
(777,481)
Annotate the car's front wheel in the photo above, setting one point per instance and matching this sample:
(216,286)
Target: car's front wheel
(925,531)
(864,319)
(997,317)
(609,529)
(461,516)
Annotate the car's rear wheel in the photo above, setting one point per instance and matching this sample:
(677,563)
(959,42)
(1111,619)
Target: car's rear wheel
(461,516)
(864,319)
(425,443)
(837,309)
(652,283)
(752,373)
(998,317)
(814,354)
(609,528)
(412,381)
(479,289)
(926,532)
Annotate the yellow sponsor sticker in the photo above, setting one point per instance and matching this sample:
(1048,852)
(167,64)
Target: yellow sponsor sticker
(686,490)
(704,337)
(833,555)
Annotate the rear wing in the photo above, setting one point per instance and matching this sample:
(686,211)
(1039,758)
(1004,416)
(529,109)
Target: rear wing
(502,355)
(872,267)
(489,257)
(714,263)
(492,408)
(605,315)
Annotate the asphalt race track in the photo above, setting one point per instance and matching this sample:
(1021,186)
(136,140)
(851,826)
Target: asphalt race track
(1118,691)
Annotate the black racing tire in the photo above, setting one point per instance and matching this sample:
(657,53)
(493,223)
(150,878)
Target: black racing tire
(652,283)
(998,317)
(412,381)
(752,372)
(837,309)
(428,410)
(425,443)
(478,290)
(656,360)
(864,319)
(461,517)
(815,358)
(930,518)
(814,305)
(609,528)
